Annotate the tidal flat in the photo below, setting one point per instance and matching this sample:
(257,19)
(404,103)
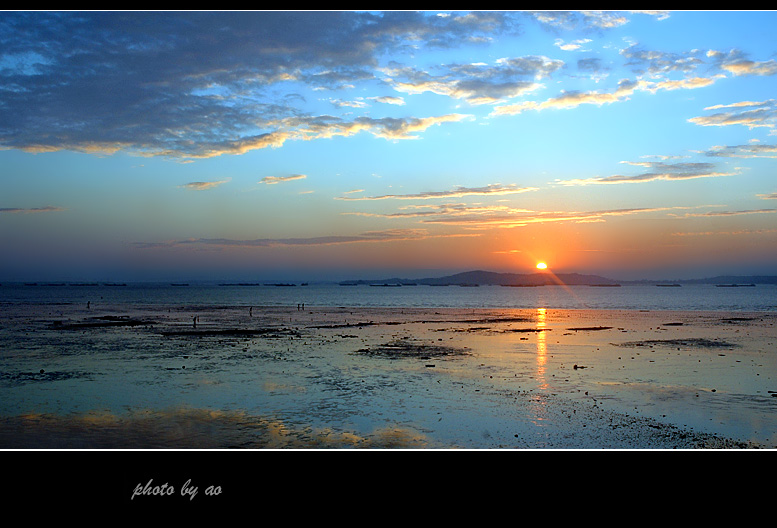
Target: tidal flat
(118,376)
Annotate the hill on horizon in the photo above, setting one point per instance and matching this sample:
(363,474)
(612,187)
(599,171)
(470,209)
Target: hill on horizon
(492,278)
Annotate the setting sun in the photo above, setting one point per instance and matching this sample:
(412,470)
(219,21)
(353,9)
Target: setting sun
(541,265)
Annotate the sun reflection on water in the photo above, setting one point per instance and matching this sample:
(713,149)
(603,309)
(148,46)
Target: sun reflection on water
(541,344)
(538,412)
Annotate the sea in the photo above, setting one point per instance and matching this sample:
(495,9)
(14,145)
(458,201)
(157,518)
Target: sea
(687,297)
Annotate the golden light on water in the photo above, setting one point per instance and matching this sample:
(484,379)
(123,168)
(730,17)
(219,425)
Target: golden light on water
(541,346)
(539,411)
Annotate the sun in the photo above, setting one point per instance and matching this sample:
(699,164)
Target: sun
(542,265)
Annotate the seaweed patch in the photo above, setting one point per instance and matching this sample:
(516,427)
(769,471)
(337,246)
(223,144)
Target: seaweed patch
(400,349)
(688,343)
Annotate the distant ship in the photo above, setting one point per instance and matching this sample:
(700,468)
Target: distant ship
(735,285)
(669,285)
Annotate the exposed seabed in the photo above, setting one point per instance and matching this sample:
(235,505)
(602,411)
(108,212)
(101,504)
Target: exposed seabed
(222,377)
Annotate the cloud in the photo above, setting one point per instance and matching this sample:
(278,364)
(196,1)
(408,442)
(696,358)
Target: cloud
(681,84)
(746,67)
(193,84)
(732,213)
(751,114)
(572,99)
(308,128)
(519,218)
(272,180)
(443,210)
(626,88)
(491,189)
(605,19)
(202,186)
(389,99)
(654,68)
(659,171)
(476,83)
(389,235)
(659,14)
(46,209)
(727,233)
(304,128)
(743,151)
(586,19)
(661,63)
(502,216)
(339,103)
(574,45)
(405,128)
(771,196)
(736,62)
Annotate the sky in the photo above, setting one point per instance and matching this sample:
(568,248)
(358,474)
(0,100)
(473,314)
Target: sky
(145,145)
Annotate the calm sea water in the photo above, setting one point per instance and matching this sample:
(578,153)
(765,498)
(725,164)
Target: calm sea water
(762,297)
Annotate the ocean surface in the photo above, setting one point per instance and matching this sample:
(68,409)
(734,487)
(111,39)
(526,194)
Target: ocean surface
(706,297)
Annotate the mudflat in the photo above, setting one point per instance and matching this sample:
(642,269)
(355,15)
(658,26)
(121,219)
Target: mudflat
(224,377)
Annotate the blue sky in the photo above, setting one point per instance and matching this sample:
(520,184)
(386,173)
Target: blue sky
(335,144)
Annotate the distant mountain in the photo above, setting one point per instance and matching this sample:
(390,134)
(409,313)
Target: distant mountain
(489,278)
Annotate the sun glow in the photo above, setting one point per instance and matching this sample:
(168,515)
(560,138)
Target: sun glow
(542,265)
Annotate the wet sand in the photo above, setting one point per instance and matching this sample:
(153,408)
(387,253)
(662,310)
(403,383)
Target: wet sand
(216,377)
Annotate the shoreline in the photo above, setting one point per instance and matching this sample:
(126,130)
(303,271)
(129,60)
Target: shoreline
(395,378)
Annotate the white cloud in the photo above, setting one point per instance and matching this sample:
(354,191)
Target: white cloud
(746,113)
(491,189)
(659,171)
(574,45)
(388,99)
(272,180)
(202,186)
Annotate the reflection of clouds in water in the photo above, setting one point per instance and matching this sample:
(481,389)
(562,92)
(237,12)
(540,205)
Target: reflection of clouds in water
(187,429)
